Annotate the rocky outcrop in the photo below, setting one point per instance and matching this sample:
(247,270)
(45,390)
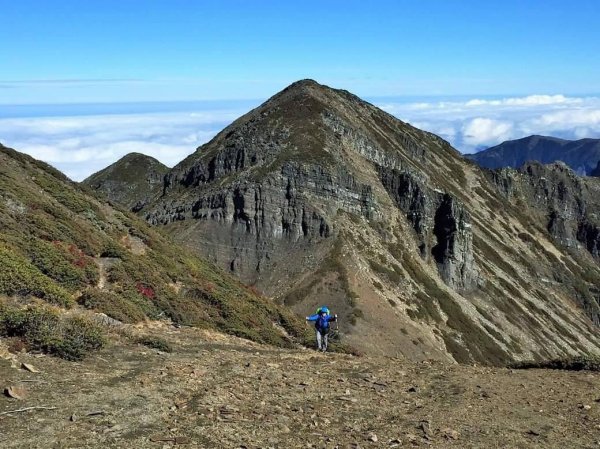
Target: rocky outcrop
(254,224)
(568,202)
(441,223)
(596,172)
(589,234)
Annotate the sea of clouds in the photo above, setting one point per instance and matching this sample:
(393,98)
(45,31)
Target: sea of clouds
(80,140)
(474,124)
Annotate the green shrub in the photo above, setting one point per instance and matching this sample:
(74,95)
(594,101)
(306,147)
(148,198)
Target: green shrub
(355,315)
(45,330)
(19,277)
(112,249)
(394,274)
(65,264)
(80,336)
(113,305)
(155,342)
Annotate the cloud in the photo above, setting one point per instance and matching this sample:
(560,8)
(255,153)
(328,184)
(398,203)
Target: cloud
(82,145)
(472,124)
(530,100)
(486,131)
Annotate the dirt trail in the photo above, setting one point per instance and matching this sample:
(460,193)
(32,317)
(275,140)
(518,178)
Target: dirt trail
(222,392)
(104,263)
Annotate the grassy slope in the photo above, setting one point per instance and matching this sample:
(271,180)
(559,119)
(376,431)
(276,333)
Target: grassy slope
(54,238)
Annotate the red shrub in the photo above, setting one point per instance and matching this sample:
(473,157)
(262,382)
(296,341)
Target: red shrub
(142,289)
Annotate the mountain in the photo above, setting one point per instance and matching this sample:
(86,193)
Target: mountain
(596,171)
(581,155)
(60,246)
(131,182)
(317,197)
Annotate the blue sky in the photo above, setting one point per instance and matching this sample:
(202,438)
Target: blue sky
(148,50)
(177,71)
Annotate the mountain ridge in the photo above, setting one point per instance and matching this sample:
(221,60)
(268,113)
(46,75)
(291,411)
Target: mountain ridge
(581,155)
(63,247)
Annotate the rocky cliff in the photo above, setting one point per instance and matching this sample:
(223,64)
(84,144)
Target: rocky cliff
(581,155)
(132,182)
(568,206)
(319,197)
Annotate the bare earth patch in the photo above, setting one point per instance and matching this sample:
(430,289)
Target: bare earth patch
(216,391)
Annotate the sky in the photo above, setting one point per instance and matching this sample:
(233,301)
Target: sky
(84,82)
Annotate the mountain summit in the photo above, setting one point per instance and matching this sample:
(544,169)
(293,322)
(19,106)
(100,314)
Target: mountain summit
(132,181)
(318,197)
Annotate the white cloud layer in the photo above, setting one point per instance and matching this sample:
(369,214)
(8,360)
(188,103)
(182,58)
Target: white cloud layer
(473,124)
(80,145)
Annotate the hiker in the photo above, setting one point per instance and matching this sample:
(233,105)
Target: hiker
(322,318)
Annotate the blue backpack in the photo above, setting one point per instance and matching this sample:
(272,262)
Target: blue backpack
(322,323)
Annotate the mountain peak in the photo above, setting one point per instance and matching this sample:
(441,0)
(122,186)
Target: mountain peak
(133,156)
(304,84)
(132,181)
(309,88)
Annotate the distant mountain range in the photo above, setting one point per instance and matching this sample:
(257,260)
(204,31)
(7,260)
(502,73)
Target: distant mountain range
(581,155)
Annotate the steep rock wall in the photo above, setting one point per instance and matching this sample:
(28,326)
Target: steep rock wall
(441,223)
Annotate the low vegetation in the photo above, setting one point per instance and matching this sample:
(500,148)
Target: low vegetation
(113,305)
(41,328)
(155,342)
(570,364)
(19,276)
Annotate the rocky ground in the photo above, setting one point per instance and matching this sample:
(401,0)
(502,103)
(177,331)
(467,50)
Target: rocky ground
(215,391)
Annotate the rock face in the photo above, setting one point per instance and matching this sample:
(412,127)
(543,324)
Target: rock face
(442,225)
(132,181)
(568,206)
(581,155)
(317,197)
